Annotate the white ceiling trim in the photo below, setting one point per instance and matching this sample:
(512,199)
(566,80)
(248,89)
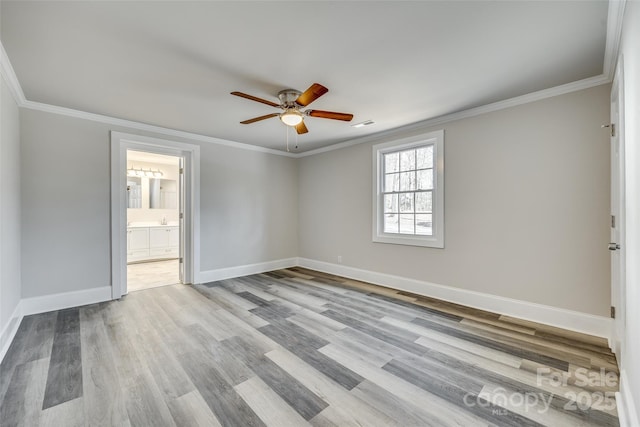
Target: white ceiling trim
(472,112)
(16,90)
(148,128)
(614,30)
(10,77)
(615,17)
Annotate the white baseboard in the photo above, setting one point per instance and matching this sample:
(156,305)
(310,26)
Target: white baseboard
(245,270)
(10,329)
(64,300)
(627,412)
(566,319)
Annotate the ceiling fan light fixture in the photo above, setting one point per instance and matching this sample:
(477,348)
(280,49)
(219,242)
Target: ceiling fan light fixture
(291,117)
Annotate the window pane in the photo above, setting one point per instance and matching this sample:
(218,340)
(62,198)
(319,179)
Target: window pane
(407,181)
(391,203)
(406,224)
(425,179)
(407,160)
(391,162)
(406,202)
(424,224)
(392,182)
(390,223)
(424,157)
(424,202)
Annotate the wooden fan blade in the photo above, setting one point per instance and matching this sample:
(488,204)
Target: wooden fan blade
(301,128)
(254,98)
(314,92)
(257,119)
(330,115)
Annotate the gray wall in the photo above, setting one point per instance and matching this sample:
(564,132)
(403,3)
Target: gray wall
(9,208)
(248,204)
(526,206)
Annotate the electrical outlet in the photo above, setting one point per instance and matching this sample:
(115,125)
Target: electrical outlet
(339,259)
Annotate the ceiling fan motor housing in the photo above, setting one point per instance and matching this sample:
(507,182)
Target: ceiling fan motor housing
(288,97)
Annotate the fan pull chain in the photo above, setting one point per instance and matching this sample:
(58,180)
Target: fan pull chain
(287,130)
(296,140)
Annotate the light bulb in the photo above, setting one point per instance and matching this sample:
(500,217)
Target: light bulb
(291,117)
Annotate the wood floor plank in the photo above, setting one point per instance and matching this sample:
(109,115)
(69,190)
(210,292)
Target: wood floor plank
(225,403)
(303,401)
(268,404)
(393,406)
(160,361)
(442,411)
(64,381)
(23,400)
(240,312)
(496,345)
(296,347)
(427,336)
(15,354)
(33,341)
(232,368)
(143,399)
(190,410)
(456,394)
(69,414)
(347,410)
(343,376)
(103,402)
(401,339)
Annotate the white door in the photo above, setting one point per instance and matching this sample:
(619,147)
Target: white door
(617,244)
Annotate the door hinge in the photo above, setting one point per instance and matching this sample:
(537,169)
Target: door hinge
(612,127)
(613,221)
(181,260)
(613,312)
(182,216)
(181,171)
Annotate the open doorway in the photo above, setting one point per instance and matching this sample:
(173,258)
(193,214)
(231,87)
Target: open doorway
(127,193)
(153,220)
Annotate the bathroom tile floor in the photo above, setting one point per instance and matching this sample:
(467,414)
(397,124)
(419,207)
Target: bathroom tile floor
(149,275)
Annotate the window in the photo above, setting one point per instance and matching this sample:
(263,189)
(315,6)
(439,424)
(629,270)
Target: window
(408,202)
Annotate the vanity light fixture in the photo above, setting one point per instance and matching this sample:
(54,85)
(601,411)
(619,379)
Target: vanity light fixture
(142,172)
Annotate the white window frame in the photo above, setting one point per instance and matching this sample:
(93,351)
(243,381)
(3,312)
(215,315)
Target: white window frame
(436,240)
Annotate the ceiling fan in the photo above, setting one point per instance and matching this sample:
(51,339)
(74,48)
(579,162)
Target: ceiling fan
(291,102)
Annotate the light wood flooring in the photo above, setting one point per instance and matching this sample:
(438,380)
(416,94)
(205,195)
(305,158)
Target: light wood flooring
(146,275)
(293,348)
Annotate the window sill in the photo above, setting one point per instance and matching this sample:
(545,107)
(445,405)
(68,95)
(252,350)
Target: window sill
(409,240)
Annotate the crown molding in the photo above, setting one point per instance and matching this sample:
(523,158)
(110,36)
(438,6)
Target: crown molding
(615,18)
(148,128)
(614,31)
(6,69)
(471,112)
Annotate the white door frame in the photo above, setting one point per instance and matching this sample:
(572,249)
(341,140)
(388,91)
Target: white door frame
(618,208)
(120,143)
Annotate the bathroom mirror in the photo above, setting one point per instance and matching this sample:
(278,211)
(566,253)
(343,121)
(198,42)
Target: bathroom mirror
(163,193)
(134,193)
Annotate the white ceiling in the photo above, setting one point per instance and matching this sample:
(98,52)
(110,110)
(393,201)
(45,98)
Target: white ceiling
(173,63)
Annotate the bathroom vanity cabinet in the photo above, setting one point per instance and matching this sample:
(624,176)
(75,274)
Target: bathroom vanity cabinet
(151,243)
